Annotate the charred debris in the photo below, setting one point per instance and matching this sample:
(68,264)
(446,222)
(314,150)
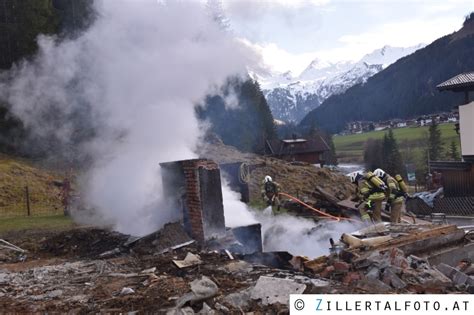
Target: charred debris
(198,265)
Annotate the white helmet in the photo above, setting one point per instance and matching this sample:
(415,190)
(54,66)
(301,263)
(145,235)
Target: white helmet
(380,173)
(354,176)
(267,179)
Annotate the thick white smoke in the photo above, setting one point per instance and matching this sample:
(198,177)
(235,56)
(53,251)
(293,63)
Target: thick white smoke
(296,235)
(138,73)
(236,212)
(301,236)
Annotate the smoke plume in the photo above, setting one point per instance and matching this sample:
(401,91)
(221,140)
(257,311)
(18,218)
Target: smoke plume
(301,236)
(123,95)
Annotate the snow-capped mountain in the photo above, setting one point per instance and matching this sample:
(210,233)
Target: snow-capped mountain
(291,98)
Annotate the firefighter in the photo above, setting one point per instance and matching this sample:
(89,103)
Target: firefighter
(396,194)
(370,194)
(270,191)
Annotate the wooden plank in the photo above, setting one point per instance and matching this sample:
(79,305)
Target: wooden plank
(415,237)
(431,243)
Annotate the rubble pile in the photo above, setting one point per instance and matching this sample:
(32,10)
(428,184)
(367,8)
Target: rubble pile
(189,277)
(382,259)
(139,274)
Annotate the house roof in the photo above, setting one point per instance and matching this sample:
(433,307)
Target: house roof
(462,81)
(287,147)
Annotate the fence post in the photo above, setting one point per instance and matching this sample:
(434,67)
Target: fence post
(27,197)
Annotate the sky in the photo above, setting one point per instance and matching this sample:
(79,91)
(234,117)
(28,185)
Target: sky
(289,34)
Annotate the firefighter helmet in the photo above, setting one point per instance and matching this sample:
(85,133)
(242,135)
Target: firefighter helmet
(354,176)
(267,179)
(380,173)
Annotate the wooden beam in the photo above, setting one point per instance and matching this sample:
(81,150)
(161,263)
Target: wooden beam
(425,240)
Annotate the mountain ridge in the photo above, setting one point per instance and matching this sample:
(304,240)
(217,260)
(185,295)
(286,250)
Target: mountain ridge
(406,88)
(291,98)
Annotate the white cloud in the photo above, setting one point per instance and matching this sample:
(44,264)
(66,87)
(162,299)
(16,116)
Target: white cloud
(401,34)
(253,9)
(277,59)
(290,34)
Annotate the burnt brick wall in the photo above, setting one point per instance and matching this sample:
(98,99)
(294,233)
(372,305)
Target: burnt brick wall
(200,228)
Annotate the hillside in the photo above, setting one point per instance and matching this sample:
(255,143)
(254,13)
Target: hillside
(17,173)
(406,88)
(292,97)
(295,179)
(23,20)
(350,148)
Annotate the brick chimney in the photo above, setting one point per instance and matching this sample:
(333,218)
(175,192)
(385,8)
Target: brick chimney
(194,188)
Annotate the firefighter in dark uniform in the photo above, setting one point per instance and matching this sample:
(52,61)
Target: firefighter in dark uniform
(270,191)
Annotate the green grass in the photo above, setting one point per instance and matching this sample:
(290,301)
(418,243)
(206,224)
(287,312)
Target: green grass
(350,148)
(40,222)
(15,174)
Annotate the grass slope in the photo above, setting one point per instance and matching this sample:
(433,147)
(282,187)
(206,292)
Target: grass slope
(15,174)
(50,222)
(350,148)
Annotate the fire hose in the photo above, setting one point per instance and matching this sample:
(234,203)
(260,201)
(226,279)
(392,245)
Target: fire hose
(324,214)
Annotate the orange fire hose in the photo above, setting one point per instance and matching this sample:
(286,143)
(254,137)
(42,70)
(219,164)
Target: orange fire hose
(317,210)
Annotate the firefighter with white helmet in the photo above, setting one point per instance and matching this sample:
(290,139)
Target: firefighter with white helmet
(395,193)
(270,191)
(370,193)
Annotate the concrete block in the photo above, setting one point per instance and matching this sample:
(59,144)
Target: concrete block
(389,277)
(238,299)
(275,290)
(373,273)
(458,277)
(373,286)
(446,270)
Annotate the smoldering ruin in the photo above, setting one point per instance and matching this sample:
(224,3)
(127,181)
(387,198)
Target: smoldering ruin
(90,269)
(169,219)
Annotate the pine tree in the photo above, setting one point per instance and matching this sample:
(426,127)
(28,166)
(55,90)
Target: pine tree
(435,145)
(373,154)
(453,151)
(22,21)
(391,157)
(246,126)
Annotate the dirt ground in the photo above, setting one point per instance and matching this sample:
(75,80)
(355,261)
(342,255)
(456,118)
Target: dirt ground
(65,271)
(85,270)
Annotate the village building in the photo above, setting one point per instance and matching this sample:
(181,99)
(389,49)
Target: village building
(359,127)
(302,150)
(458,176)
